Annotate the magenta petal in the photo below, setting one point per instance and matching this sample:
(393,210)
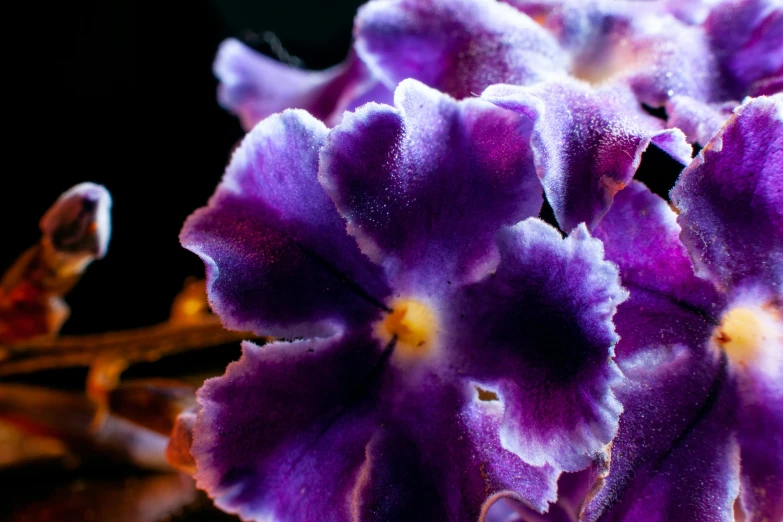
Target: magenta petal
(675,456)
(459,47)
(760,435)
(669,305)
(760,417)
(657,469)
(588,143)
(541,337)
(426,185)
(278,259)
(253,86)
(698,120)
(410,474)
(767,86)
(638,44)
(572,490)
(282,434)
(731,199)
(747,38)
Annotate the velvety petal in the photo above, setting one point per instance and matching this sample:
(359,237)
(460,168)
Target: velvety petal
(760,435)
(410,474)
(668,305)
(538,333)
(675,456)
(699,121)
(278,259)
(333,418)
(459,47)
(394,485)
(747,38)
(731,199)
(691,12)
(254,86)
(572,491)
(425,186)
(588,143)
(767,86)
(430,425)
(282,435)
(638,44)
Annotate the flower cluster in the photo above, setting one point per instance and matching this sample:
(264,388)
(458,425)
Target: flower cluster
(443,354)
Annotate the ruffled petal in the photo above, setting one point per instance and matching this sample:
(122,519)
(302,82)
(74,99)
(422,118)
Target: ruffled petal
(638,44)
(282,435)
(425,186)
(760,435)
(278,259)
(698,120)
(410,472)
(254,86)
(572,490)
(333,418)
(675,456)
(747,38)
(668,305)
(731,199)
(459,47)
(767,86)
(588,143)
(540,336)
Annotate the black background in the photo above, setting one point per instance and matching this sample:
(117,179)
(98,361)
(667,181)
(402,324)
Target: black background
(122,93)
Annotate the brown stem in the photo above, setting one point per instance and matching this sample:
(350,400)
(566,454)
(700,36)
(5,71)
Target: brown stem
(138,345)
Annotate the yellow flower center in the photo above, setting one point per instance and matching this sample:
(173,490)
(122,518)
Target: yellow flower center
(742,334)
(413,325)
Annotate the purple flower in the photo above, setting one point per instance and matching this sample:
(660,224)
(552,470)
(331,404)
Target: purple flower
(703,351)
(447,346)
(693,59)
(587,142)
(701,435)
(253,86)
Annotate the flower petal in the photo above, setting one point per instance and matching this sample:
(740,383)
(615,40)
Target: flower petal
(278,259)
(572,490)
(426,185)
(747,38)
(588,143)
(253,86)
(637,44)
(540,335)
(675,456)
(731,199)
(410,474)
(668,305)
(699,121)
(459,47)
(282,434)
(760,435)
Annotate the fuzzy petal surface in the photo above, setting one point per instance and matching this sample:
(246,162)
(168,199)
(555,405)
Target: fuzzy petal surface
(425,185)
(676,456)
(254,86)
(731,199)
(669,304)
(587,142)
(747,38)
(538,333)
(278,259)
(459,47)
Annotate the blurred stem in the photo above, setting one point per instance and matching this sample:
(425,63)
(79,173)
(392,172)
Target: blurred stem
(146,344)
